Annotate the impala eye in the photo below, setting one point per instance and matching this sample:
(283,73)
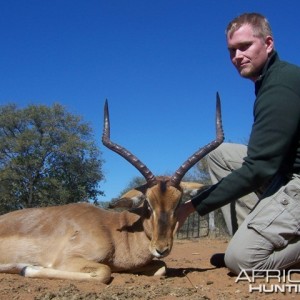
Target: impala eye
(148,206)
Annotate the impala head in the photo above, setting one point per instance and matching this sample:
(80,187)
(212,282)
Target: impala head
(162,194)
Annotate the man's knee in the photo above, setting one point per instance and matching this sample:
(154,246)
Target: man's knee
(236,261)
(227,151)
(247,250)
(232,261)
(227,156)
(217,154)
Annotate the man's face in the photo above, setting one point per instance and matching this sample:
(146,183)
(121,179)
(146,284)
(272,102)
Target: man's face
(249,53)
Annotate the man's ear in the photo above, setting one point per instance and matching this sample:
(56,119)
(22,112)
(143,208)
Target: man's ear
(269,44)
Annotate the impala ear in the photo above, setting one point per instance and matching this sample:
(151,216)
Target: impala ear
(126,203)
(131,199)
(142,188)
(191,189)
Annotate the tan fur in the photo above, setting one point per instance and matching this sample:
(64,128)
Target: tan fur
(81,241)
(135,197)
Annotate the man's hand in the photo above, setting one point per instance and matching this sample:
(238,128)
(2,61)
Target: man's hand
(184,210)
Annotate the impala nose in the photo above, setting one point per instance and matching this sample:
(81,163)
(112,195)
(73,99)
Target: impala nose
(162,252)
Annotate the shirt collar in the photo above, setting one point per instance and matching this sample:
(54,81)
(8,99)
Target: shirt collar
(273,57)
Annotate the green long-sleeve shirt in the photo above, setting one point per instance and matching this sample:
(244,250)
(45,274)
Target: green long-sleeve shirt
(274,144)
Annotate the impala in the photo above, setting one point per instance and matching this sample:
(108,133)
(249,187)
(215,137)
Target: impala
(134,197)
(84,242)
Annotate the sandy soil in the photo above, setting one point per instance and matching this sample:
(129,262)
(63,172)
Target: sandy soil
(190,276)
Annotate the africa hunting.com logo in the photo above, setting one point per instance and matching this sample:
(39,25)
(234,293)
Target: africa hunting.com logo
(285,281)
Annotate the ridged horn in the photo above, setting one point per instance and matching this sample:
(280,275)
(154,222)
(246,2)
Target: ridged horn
(142,168)
(202,152)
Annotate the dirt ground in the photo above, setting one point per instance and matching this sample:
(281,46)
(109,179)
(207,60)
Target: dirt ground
(190,276)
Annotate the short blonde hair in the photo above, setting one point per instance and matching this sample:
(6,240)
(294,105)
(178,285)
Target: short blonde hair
(258,22)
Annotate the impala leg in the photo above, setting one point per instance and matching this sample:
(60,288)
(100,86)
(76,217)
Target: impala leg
(12,268)
(74,269)
(154,268)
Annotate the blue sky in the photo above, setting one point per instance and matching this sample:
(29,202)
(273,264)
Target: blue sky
(158,62)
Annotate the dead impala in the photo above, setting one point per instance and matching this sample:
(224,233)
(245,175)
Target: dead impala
(82,241)
(134,197)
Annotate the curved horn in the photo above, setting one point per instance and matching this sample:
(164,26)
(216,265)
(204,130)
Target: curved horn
(193,159)
(150,178)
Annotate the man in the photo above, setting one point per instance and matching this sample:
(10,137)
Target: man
(269,237)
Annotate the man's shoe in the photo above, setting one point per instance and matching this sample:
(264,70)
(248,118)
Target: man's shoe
(217,260)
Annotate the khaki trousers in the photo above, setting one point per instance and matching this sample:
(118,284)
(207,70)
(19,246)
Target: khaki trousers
(221,162)
(269,236)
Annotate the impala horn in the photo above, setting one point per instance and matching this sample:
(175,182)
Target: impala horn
(182,170)
(198,155)
(150,178)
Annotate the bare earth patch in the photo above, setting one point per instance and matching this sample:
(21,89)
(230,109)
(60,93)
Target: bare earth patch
(190,276)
